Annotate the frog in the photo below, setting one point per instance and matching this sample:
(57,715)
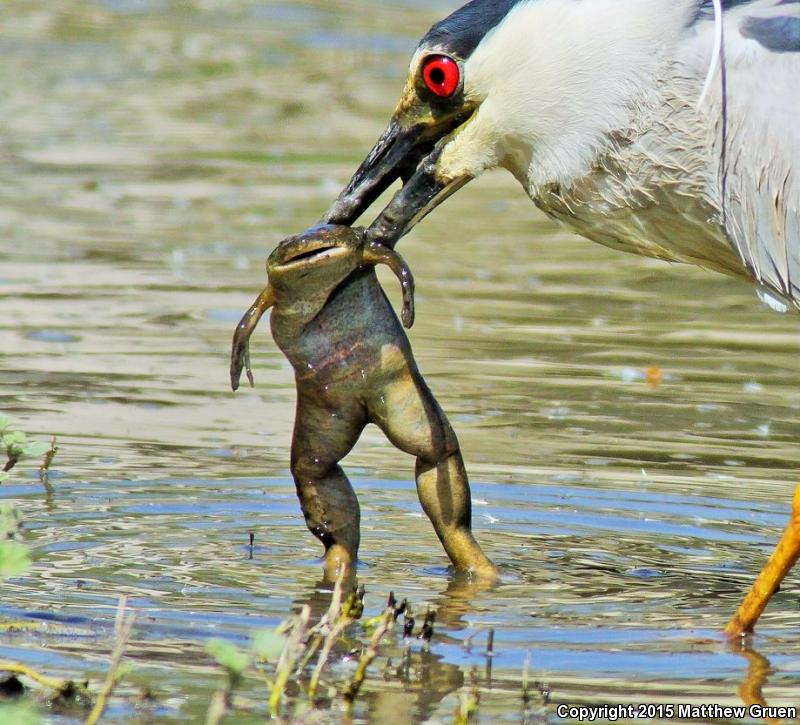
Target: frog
(353,365)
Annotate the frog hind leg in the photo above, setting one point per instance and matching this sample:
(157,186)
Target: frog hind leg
(412,420)
(323,435)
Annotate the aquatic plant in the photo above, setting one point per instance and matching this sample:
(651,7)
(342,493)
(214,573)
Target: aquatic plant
(19,714)
(17,446)
(284,656)
(15,558)
(47,460)
(123,627)
(67,692)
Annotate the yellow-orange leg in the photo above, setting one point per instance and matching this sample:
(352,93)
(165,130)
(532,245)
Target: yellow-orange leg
(766,584)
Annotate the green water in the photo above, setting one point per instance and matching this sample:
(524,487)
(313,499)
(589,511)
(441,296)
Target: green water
(151,154)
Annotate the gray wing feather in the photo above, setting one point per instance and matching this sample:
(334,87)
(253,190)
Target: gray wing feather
(780,34)
(759,141)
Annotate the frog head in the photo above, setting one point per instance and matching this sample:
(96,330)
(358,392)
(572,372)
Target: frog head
(310,265)
(303,271)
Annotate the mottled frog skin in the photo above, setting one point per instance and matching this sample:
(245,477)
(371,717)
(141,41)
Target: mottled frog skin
(353,366)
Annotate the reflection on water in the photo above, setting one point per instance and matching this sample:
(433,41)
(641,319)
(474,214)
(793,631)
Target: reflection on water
(151,154)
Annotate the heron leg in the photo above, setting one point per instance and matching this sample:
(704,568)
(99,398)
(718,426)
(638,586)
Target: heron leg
(322,437)
(783,558)
(413,421)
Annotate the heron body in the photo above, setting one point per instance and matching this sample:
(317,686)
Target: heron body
(666,128)
(713,183)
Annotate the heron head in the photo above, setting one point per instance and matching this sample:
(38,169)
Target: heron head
(540,87)
(436,105)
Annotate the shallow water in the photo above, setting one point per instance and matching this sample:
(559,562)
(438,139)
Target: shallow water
(152,154)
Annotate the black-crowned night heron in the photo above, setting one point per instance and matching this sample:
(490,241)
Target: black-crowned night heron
(667,128)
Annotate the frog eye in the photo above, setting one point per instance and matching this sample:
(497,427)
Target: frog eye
(441,75)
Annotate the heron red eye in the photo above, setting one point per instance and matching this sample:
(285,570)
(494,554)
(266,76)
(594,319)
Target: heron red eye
(441,75)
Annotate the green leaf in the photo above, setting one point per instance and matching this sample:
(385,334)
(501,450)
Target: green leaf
(10,521)
(268,644)
(15,558)
(14,443)
(228,655)
(4,423)
(17,445)
(14,438)
(19,715)
(34,449)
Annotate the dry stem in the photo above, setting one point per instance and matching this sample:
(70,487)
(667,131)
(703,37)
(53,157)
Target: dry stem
(122,631)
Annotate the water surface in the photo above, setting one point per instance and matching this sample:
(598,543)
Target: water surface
(152,153)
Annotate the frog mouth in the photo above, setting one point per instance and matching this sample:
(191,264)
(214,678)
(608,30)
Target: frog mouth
(311,253)
(306,256)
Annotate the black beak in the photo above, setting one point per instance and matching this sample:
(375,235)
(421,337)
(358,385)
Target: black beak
(408,152)
(392,155)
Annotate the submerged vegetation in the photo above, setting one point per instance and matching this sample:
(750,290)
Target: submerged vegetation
(298,652)
(307,671)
